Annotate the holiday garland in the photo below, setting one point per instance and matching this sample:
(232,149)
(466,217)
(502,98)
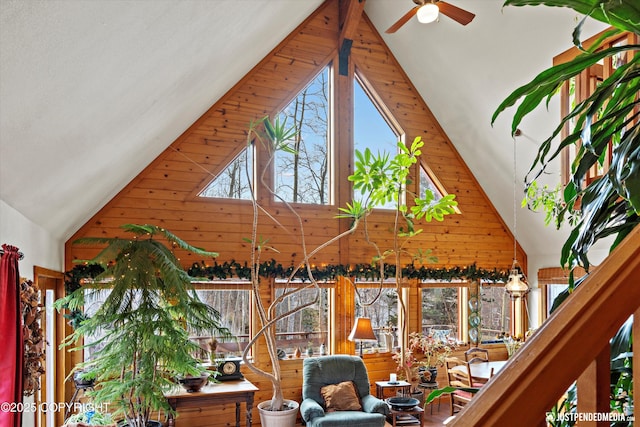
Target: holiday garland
(233,269)
(273,269)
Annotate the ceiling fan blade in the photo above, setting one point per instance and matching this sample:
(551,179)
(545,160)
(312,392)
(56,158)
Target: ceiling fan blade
(405,18)
(459,15)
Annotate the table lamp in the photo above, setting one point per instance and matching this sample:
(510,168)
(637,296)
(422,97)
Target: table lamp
(362,331)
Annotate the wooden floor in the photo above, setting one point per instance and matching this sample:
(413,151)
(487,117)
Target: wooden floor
(439,415)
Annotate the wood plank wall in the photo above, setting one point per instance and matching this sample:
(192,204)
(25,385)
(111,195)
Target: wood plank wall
(165,192)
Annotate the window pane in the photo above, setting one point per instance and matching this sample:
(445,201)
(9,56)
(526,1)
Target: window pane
(552,292)
(495,312)
(371,130)
(306,328)
(440,312)
(232,304)
(302,176)
(426,183)
(93,300)
(234,308)
(383,313)
(233,182)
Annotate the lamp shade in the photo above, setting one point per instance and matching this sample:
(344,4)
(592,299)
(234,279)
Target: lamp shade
(362,330)
(428,13)
(515,286)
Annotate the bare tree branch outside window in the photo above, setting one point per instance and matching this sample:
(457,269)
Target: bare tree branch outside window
(302,177)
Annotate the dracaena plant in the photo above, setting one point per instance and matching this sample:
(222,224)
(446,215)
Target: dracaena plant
(276,137)
(609,205)
(383,177)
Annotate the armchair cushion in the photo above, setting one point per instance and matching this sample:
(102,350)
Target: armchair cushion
(341,397)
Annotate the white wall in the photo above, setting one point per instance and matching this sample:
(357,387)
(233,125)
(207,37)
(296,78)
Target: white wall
(38,246)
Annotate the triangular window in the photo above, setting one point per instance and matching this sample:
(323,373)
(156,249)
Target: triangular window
(235,180)
(427,183)
(302,174)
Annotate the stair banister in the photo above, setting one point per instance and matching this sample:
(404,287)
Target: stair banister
(563,347)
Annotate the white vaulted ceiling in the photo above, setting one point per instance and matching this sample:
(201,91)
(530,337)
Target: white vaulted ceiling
(92,91)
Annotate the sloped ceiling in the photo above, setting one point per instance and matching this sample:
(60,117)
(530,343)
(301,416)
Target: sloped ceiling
(91,92)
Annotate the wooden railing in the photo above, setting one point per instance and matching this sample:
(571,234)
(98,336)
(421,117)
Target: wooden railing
(572,344)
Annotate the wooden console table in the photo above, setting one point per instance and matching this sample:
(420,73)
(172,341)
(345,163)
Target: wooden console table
(224,392)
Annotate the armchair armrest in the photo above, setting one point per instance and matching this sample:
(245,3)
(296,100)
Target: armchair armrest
(372,404)
(310,409)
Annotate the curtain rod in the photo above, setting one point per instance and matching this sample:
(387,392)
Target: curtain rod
(20,254)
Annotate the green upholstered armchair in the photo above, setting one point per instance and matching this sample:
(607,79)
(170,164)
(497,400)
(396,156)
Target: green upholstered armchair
(318,372)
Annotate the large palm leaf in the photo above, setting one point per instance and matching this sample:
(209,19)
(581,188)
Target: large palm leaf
(610,204)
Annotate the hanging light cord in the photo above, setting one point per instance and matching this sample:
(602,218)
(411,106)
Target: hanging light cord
(515,216)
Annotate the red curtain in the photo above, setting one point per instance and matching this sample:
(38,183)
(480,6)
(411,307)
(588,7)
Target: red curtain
(12,340)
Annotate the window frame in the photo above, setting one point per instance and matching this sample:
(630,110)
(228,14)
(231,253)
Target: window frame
(584,85)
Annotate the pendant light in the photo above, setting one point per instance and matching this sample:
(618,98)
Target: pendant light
(516,285)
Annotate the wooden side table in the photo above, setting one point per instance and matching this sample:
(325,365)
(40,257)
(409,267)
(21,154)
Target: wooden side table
(411,417)
(401,385)
(225,392)
(428,388)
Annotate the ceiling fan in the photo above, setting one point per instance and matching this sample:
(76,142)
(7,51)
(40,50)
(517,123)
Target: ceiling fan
(428,10)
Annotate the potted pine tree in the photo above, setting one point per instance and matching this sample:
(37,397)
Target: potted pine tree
(141,329)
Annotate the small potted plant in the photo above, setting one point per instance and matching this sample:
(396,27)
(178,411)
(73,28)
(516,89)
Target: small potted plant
(84,378)
(422,357)
(435,350)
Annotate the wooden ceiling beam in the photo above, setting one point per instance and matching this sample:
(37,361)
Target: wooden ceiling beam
(350,14)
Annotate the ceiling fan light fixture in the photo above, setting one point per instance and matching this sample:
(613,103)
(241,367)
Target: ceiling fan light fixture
(428,13)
